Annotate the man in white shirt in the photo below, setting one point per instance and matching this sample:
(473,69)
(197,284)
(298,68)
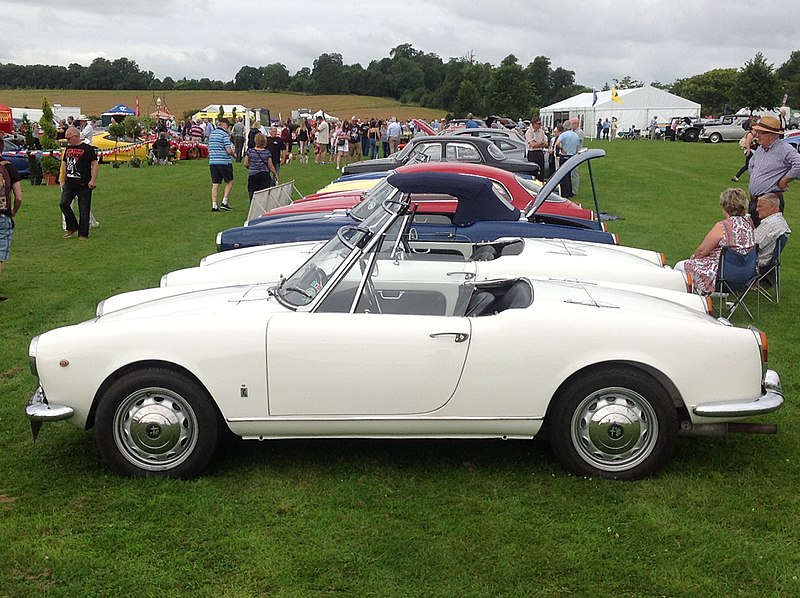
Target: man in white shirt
(536,141)
(88,130)
(394,130)
(772,226)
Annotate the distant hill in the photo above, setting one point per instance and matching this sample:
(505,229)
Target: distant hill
(93,102)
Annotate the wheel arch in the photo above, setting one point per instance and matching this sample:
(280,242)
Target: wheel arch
(657,375)
(143,365)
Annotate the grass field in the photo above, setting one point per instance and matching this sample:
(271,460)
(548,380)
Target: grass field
(369,518)
(97,102)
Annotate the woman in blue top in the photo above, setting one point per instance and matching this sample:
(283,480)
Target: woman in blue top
(260,169)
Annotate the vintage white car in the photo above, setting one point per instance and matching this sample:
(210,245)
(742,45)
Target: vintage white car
(366,341)
(551,258)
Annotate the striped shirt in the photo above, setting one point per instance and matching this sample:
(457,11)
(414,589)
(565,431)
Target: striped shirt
(218,141)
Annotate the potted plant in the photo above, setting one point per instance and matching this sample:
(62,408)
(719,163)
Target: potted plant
(50,169)
(135,162)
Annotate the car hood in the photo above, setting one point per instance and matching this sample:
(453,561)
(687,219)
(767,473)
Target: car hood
(305,217)
(323,204)
(376,165)
(248,265)
(186,301)
(555,181)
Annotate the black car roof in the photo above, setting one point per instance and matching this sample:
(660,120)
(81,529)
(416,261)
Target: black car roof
(477,199)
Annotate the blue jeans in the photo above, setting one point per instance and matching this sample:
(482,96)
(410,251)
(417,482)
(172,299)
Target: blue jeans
(372,150)
(84,195)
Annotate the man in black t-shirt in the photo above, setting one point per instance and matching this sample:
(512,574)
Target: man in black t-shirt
(78,178)
(275,145)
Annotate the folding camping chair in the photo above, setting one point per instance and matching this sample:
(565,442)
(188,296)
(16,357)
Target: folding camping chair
(737,274)
(769,276)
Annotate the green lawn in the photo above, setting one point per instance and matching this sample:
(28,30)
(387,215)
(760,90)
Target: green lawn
(381,518)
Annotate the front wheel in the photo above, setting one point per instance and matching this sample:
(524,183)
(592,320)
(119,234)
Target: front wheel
(156,422)
(715,138)
(615,423)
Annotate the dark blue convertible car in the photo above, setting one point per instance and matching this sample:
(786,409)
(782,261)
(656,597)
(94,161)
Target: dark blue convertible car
(18,157)
(479,215)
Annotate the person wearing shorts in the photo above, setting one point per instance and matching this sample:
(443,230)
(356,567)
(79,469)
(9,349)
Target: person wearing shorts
(220,163)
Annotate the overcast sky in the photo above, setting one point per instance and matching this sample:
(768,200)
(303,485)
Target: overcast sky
(648,40)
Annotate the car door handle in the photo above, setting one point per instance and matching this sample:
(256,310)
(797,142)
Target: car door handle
(389,296)
(460,337)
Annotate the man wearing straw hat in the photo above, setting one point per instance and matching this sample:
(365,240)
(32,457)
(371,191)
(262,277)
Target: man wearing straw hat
(773,165)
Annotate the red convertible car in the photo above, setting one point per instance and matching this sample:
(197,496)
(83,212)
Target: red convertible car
(190,150)
(517,190)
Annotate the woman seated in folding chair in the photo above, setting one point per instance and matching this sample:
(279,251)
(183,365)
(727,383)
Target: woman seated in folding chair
(735,232)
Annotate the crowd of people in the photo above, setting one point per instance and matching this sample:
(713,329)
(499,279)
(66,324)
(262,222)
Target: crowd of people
(263,150)
(751,218)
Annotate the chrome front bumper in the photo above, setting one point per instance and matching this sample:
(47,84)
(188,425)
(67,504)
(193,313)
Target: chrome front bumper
(39,411)
(770,400)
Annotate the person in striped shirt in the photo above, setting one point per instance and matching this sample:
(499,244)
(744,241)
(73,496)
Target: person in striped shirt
(220,163)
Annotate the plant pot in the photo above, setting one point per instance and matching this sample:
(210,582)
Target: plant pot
(50,179)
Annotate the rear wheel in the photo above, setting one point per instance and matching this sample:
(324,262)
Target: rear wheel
(614,423)
(156,422)
(691,135)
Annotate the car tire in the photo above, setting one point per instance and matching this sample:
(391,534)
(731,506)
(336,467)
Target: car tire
(715,138)
(156,423)
(691,135)
(193,153)
(613,423)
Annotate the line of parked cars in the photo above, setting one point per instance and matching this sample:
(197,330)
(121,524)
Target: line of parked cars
(389,327)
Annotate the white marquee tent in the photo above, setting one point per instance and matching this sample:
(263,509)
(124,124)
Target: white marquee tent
(639,105)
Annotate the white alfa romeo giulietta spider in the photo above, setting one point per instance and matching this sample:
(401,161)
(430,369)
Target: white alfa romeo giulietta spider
(365,340)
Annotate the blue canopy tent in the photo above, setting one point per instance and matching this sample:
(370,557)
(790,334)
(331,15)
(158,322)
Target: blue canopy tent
(116,114)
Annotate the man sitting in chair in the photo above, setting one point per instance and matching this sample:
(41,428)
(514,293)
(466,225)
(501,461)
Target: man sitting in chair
(162,148)
(770,228)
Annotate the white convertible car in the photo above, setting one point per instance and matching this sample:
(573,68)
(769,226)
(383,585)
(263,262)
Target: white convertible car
(367,341)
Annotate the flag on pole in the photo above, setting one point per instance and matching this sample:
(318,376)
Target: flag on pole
(594,97)
(137,105)
(615,96)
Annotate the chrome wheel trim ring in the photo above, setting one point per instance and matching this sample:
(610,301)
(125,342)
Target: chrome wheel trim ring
(614,429)
(155,429)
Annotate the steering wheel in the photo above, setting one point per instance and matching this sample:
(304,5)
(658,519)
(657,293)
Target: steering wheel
(310,283)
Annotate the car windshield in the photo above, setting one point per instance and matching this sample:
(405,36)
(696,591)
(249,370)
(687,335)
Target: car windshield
(303,286)
(403,153)
(496,152)
(372,200)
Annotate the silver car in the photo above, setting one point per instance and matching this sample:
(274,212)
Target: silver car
(729,128)
(508,140)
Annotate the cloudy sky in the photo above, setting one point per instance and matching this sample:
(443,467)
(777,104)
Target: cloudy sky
(648,40)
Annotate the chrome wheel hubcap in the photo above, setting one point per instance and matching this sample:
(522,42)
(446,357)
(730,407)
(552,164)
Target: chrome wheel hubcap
(155,428)
(614,429)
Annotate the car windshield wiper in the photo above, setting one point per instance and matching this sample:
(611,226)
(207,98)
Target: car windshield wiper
(300,291)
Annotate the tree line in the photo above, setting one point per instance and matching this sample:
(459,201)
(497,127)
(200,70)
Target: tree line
(410,76)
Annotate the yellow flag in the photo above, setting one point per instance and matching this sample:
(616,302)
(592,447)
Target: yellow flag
(615,96)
